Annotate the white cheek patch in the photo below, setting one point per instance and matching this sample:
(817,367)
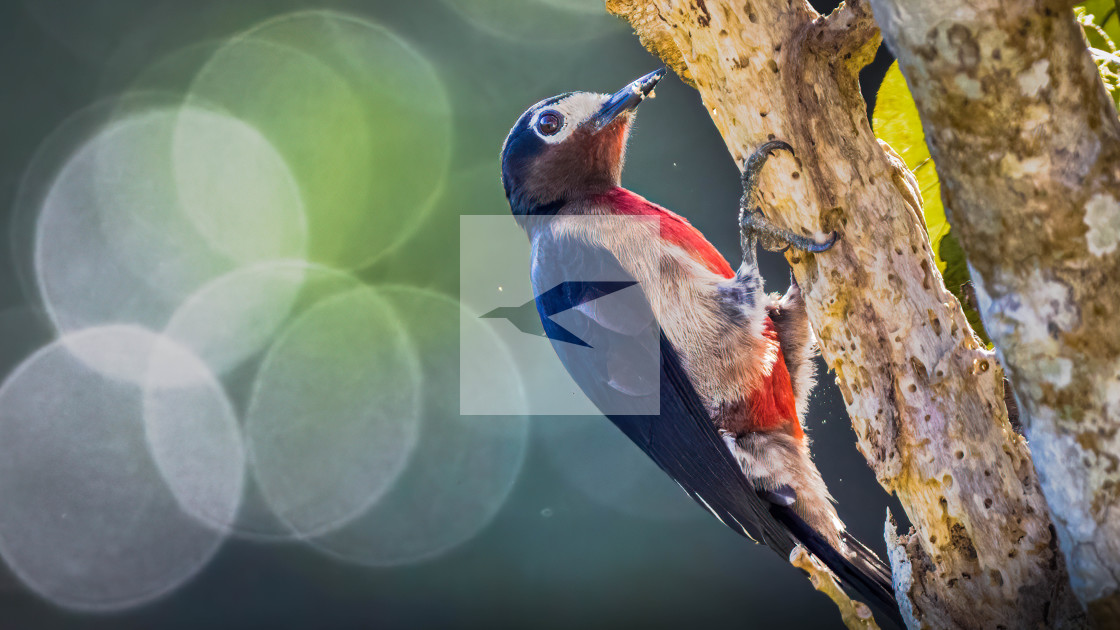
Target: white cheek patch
(575,109)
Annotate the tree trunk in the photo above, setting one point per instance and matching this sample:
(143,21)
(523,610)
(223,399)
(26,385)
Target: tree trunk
(1027,146)
(925,398)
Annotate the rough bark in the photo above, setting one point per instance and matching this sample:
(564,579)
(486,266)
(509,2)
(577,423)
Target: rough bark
(925,399)
(1027,146)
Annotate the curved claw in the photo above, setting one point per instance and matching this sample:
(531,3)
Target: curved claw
(753,166)
(817,248)
(768,147)
(754,226)
(754,163)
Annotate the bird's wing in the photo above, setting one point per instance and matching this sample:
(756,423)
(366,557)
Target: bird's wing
(669,422)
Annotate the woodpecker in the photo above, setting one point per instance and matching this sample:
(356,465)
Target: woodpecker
(736,364)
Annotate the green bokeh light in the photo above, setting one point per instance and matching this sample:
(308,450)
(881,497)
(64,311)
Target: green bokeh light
(463,468)
(334,412)
(360,117)
(537,21)
(236,189)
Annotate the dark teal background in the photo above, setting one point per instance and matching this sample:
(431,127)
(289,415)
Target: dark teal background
(552,558)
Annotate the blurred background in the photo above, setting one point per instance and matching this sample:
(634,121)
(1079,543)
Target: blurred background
(229,330)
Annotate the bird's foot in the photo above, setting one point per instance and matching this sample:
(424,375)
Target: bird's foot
(755,227)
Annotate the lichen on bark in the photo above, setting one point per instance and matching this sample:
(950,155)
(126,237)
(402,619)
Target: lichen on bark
(925,398)
(1027,146)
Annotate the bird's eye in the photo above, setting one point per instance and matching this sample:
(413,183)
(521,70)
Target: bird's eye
(550,122)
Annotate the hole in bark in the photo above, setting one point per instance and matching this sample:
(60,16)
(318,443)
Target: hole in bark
(871,179)
(997,577)
(935,322)
(927,417)
(933,539)
(987,504)
(926,280)
(959,454)
(773,65)
(913,388)
(987,473)
(764,114)
(834,216)
(752,17)
(796,175)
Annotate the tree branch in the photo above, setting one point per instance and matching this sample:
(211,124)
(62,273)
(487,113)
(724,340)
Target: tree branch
(926,400)
(1027,147)
(855,615)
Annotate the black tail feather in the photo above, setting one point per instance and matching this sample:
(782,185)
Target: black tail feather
(683,441)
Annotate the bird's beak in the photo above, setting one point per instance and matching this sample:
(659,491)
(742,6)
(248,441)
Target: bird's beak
(625,99)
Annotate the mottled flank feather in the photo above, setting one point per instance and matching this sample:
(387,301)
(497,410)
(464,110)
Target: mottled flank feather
(774,459)
(799,344)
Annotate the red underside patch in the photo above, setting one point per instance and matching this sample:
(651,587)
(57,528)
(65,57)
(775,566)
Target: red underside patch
(674,228)
(771,407)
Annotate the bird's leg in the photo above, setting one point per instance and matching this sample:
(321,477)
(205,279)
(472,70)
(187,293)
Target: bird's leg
(753,225)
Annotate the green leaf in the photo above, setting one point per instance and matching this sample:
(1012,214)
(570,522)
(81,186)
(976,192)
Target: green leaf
(896,122)
(959,283)
(1105,16)
(1100,21)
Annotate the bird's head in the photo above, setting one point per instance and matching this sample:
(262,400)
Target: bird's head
(570,146)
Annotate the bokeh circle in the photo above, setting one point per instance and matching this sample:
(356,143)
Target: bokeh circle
(464,467)
(114,244)
(88,520)
(359,115)
(334,413)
